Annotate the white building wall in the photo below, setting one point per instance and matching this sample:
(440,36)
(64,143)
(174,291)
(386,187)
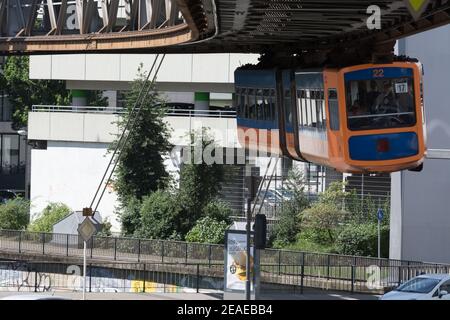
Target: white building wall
(420,214)
(69,172)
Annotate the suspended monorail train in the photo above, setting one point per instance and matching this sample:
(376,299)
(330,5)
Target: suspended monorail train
(357,119)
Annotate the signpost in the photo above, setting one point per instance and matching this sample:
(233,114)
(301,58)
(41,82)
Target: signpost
(380,216)
(86,230)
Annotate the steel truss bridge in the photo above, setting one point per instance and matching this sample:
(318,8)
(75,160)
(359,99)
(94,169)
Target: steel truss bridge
(206,26)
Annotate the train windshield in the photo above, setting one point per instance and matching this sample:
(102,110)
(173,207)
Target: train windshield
(380,103)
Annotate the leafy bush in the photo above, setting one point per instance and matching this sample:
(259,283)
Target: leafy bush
(310,241)
(325,219)
(362,240)
(159,217)
(14,214)
(218,211)
(130,216)
(208,230)
(51,214)
(288,226)
(106,229)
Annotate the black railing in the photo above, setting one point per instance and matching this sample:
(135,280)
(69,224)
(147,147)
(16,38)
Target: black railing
(284,268)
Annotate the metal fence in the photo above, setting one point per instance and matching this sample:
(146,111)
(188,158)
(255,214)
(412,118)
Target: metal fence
(115,110)
(285,268)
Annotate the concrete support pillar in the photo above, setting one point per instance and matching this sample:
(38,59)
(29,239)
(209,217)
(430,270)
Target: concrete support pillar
(201,101)
(79,98)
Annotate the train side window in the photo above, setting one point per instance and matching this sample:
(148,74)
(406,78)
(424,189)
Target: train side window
(247,105)
(303,107)
(266,101)
(259,105)
(252,104)
(317,113)
(243,103)
(288,108)
(299,107)
(240,102)
(333,109)
(320,110)
(273,104)
(313,110)
(308,109)
(324,113)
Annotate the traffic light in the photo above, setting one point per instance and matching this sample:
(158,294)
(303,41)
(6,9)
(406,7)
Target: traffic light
(260,228)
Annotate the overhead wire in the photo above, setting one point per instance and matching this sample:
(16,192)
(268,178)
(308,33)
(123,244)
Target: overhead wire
(129,126)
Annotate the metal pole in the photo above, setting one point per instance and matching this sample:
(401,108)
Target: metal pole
(247,260)
(379,240)
(84,270)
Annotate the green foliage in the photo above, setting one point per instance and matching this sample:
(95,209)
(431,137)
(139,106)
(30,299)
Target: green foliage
(362,239)
(52,213)
(307,240)
(199,182)
(130,216)
(326,215)
(14,214)
(208,230)
(335,195)
(324,218)
(365,210)
(106,229)
(171,214)
(159,217)
(23,92)
(140,170)
(95,98)
(218,211)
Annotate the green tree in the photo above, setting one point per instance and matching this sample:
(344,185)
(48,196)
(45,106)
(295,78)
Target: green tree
(14,214)
(218,211)
(208,230)
(24,92)
(140,170)
(130,216)
(199,182)
(288,226)
(327,214)
(159,217)
(52,213)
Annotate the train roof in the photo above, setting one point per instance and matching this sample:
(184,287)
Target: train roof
(257,78)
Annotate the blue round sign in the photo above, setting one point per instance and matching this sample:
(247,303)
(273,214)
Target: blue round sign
(380,214)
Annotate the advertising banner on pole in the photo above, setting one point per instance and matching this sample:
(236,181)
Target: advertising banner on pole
(235,264)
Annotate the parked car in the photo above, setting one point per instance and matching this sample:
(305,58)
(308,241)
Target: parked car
(271,197)
(423,287)
(6,195)
(285,194)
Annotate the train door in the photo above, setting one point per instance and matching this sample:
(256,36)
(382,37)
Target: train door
(289,114)
(334,125)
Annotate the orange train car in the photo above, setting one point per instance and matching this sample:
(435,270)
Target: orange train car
(358,119)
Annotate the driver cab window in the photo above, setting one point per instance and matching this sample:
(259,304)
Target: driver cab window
(380,103)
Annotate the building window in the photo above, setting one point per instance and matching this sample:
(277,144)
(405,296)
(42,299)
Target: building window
(12,154)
